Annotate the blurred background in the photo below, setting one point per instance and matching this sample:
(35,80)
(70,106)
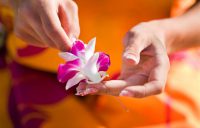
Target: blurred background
(31,97)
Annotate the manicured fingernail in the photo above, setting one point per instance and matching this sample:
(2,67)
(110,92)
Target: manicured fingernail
(91,91)
(130,58)
(73,38)
(78,93)
(125,93)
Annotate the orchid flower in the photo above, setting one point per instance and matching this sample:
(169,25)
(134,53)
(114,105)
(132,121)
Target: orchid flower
(83,64)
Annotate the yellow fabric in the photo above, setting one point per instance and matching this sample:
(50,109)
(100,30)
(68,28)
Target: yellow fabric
(67,113)
(5,121)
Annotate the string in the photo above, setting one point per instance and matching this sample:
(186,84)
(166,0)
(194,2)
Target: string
(124,107)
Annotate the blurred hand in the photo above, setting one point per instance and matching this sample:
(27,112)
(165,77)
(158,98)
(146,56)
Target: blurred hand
(47,23)
(145,65)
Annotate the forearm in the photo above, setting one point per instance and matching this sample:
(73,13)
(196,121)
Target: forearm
(184,31)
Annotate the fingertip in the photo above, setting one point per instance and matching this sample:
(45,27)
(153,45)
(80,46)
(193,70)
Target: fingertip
(91,91)
(126,93)
(81,86)
(130,58)
(72,38)
(65,46)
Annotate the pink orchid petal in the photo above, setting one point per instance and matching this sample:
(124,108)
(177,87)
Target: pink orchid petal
(82,64)
(89,50)
(67,56)
(74,80)
(68,70)
(77,47)
(103,61)
(91,70)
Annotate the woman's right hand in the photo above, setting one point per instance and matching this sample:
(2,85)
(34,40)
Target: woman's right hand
(47,23)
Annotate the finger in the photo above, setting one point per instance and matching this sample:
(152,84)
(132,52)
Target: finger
(80,89)
(114,87)
(31,23)
(69,19)
(35,24)
(155,85)
(111,87)
(133,48)
(158,76)
(52,27)
(134,91)
(141,91)
(23,35)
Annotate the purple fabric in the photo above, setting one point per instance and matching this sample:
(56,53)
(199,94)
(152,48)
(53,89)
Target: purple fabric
(3,57)
(32,87)
(29,51)
(36,86)
(13,112)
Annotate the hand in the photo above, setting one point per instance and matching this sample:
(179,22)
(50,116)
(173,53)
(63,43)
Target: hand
(47,23)
(145,65)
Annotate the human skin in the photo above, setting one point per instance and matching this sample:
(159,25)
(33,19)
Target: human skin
(145,62)
(46,23)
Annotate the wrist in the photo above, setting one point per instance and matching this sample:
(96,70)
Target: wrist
(170,33)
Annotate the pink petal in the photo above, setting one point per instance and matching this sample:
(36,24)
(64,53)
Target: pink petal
(68,70)
(103,61)
(77,47)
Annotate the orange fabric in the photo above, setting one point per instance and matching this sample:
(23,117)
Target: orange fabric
(5,121)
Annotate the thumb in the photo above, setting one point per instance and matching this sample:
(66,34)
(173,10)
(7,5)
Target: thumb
(69,20)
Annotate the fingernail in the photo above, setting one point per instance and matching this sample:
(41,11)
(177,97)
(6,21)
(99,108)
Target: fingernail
(125,93)
(130,58)
(79,93)
(91,91)
(73,38)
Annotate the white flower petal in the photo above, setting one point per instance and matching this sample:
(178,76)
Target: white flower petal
(75,80)
(90,48)
(67,56)
(103,76)
(91,70)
